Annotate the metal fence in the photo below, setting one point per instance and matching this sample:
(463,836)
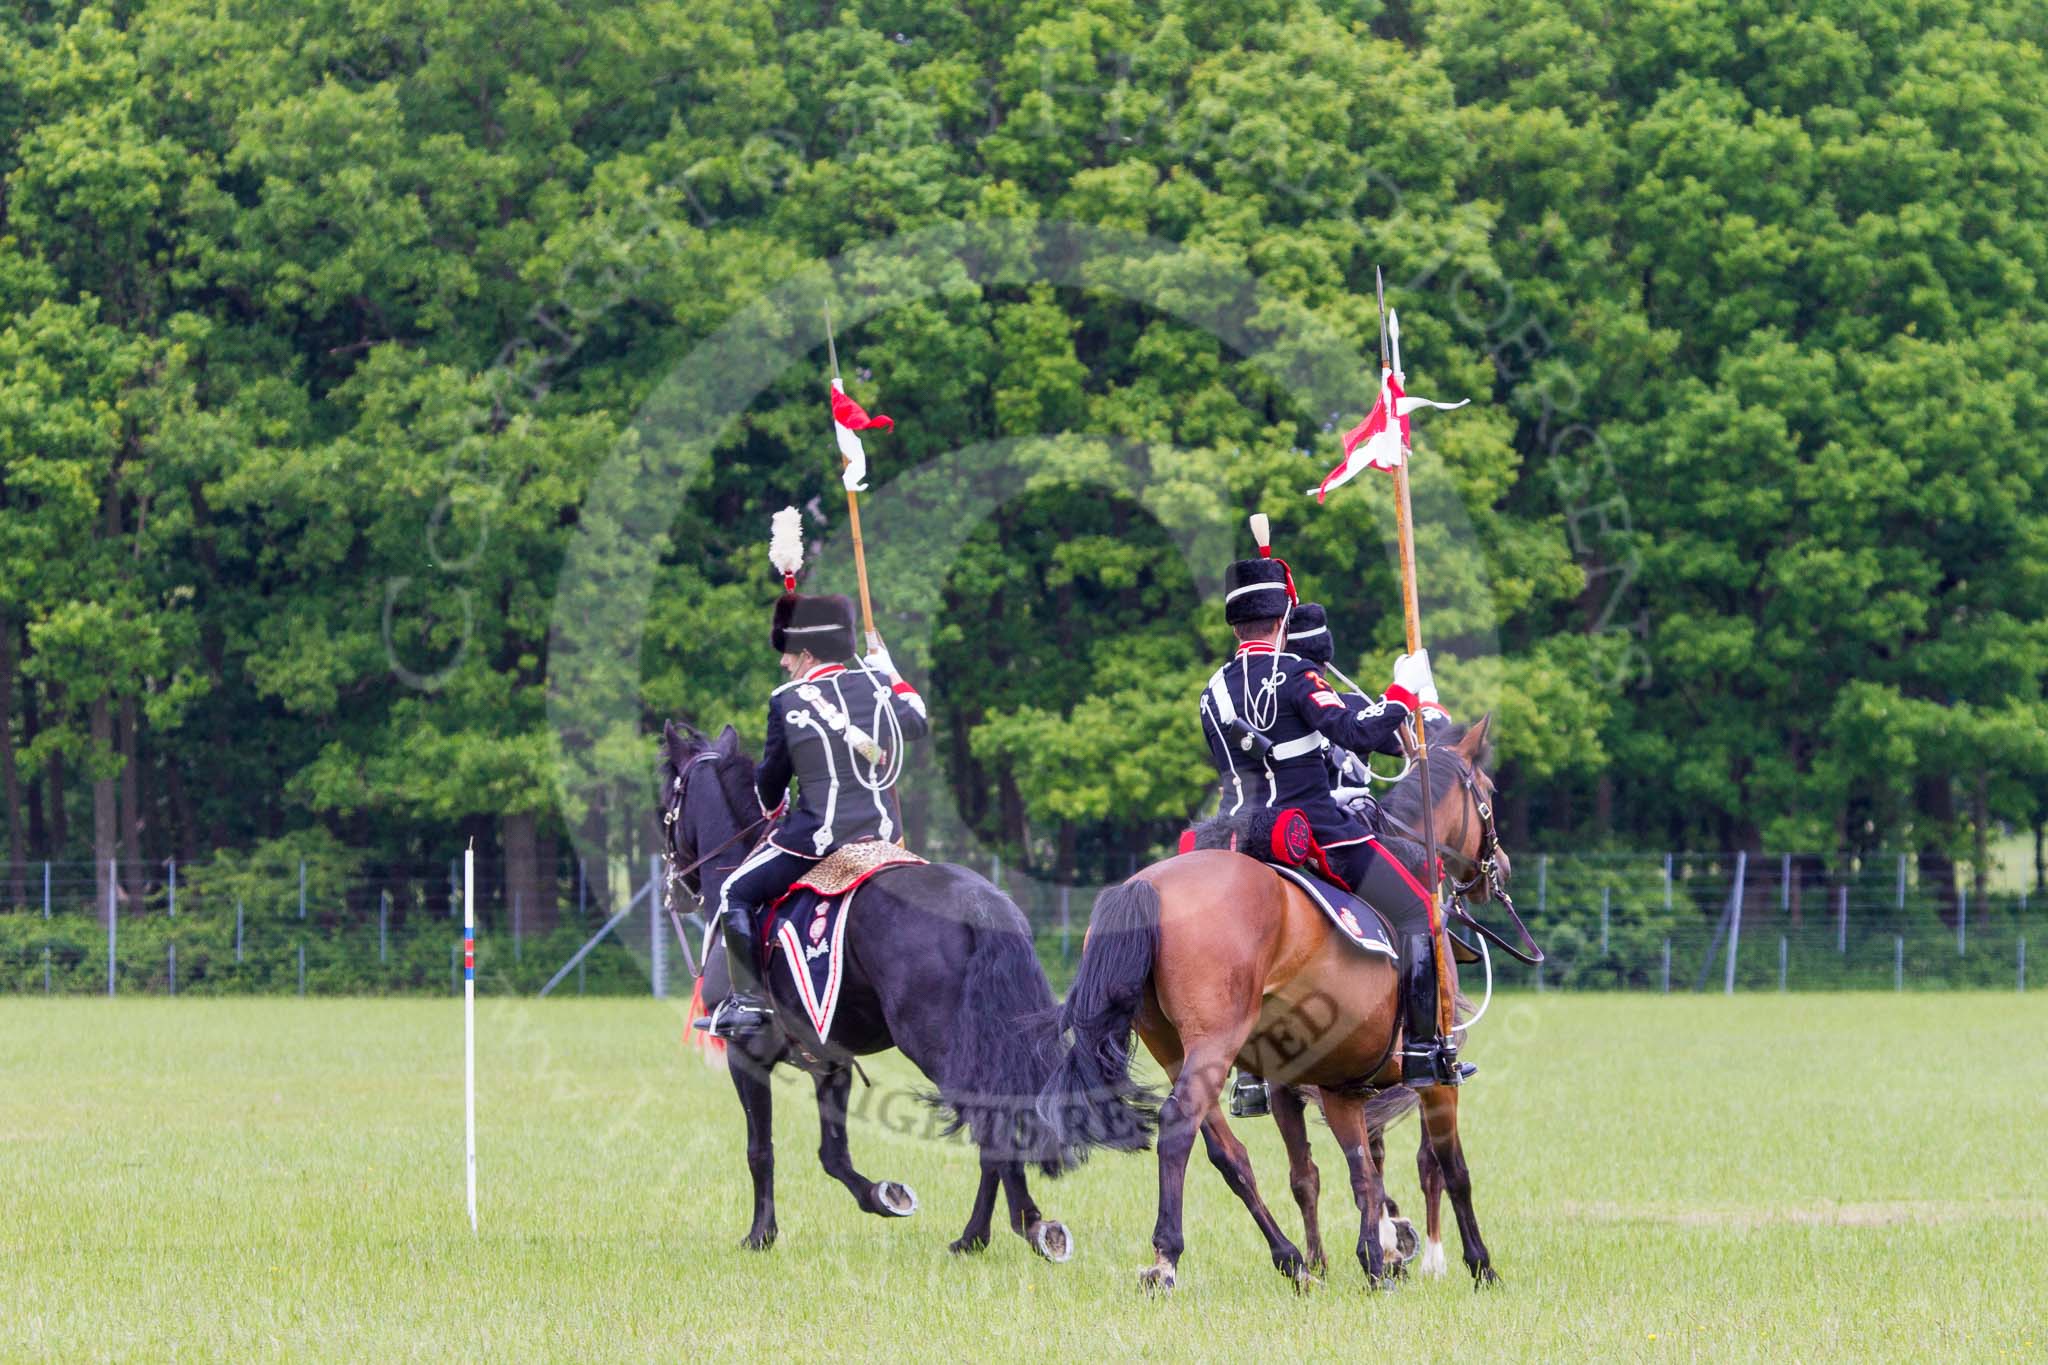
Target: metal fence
(1659,922)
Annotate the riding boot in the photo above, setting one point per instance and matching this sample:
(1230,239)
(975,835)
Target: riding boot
(1427,1057)
(745,1011)
(1248,1097)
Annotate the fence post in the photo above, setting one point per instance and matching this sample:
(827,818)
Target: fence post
(1901,898)
(173,864)
(1735,918)
(1783,955)
(238,931)
(1542,896)
(1962,919)
(1604,896)
(302,969)
(1898,962)
(113,918)
(1667,883)
(1066,921)
(1785,884)
(302,891)
(383,927)
(171,951)
(1842,918)
(2023,968)
(654,927)
(46,890)
(1667,966)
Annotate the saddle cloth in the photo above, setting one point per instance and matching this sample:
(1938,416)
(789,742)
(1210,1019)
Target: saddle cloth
(809,923)
(1355,919)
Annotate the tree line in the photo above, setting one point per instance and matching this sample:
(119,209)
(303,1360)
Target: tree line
(322,319)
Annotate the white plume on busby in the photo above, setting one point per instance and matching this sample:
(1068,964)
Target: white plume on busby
(822,625)
(786,545)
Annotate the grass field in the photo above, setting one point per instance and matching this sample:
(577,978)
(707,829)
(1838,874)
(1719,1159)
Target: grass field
(1659,1178)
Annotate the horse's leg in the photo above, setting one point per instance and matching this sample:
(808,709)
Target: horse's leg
(885,1197)
(749,1071)
(1440,1123)
(1194,1093)
(1048,1236)
(1228,1155)
(1290,1117)
(974,1237)
(1347,1123)
(1397,1237)
(1432,1177)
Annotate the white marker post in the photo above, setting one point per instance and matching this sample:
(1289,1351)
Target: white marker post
(469,1021)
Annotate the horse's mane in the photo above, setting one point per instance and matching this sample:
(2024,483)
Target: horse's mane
(1404,802)
(684,744)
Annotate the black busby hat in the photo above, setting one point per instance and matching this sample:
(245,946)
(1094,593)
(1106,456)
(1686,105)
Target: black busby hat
(1259,589)
(1308,633)
(822,625)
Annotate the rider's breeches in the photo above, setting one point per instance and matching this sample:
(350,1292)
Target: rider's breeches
(762,878)
(1383,884)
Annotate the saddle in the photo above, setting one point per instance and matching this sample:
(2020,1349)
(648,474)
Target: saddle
(1283,841)
(808,922)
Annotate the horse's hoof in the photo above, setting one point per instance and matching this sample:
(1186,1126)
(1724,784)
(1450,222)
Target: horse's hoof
(968,1246)
(1156,1276)
(758,1241)
(894,1200)
(1304,1281)
(1406,1240)
(1051,1240)
(1483,1278)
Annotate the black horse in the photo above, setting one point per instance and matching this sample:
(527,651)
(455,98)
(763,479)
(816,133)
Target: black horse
(940,965)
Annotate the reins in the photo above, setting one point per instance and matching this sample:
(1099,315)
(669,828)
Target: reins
(671,816)
(1485,868)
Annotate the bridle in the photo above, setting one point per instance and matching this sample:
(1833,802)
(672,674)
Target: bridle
(1485,868)
(673,854)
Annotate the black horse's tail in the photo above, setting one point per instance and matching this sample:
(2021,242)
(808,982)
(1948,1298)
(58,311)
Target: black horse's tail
(1003,1043)
(1091,1100)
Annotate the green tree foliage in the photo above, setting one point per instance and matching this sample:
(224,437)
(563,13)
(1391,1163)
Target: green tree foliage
(318,321)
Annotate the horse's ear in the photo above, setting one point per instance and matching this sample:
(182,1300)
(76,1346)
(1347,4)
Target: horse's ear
(728,742)
(672,740)
(1476,743)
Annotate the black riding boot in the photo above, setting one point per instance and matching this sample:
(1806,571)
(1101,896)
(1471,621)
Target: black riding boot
(1427,1058)
(1248,1097)
(745,1011)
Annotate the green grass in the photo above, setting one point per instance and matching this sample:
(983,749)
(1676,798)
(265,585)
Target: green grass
(1767,1177)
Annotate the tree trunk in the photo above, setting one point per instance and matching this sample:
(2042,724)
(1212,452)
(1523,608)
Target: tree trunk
(10,779)
(547,881)
(38,789)
(1980,819)
(105,828)
(1935,800)
(59,820)
(134,866)
(516,832)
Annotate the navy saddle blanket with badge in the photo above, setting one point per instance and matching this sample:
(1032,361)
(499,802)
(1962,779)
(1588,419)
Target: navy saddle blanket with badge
(1282,840)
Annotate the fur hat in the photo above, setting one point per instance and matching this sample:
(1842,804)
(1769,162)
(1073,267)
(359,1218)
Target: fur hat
(1308,633)
(1259,589)
(822,625)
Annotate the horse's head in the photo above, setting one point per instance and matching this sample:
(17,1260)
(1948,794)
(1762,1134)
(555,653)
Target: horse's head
(707,803)
(1461,809)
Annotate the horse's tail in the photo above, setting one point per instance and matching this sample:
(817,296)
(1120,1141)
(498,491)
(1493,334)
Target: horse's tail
(1091,1100)
(1003,1043)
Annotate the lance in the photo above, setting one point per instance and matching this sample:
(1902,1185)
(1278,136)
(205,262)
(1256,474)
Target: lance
(1411,609)
(860,554)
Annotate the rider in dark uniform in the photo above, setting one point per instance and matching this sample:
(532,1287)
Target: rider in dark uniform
(1270,718)
(838,727)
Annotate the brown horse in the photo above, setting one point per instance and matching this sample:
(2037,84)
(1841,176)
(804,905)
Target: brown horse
(1218,961)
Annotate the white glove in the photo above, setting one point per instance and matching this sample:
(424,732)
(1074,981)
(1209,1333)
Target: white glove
(877,658)
(1411,671)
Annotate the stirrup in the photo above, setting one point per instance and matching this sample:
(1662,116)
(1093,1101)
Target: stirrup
(1433,1063)
(1248,1098)
(738,1016)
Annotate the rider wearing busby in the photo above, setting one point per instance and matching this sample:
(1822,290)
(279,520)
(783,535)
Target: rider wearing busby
(1271,721)
(838,728)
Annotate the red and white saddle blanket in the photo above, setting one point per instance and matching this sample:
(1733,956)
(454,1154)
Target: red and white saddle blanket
(809,923)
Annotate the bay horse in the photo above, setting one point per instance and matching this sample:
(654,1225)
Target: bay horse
(1216,961)
(939,964)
